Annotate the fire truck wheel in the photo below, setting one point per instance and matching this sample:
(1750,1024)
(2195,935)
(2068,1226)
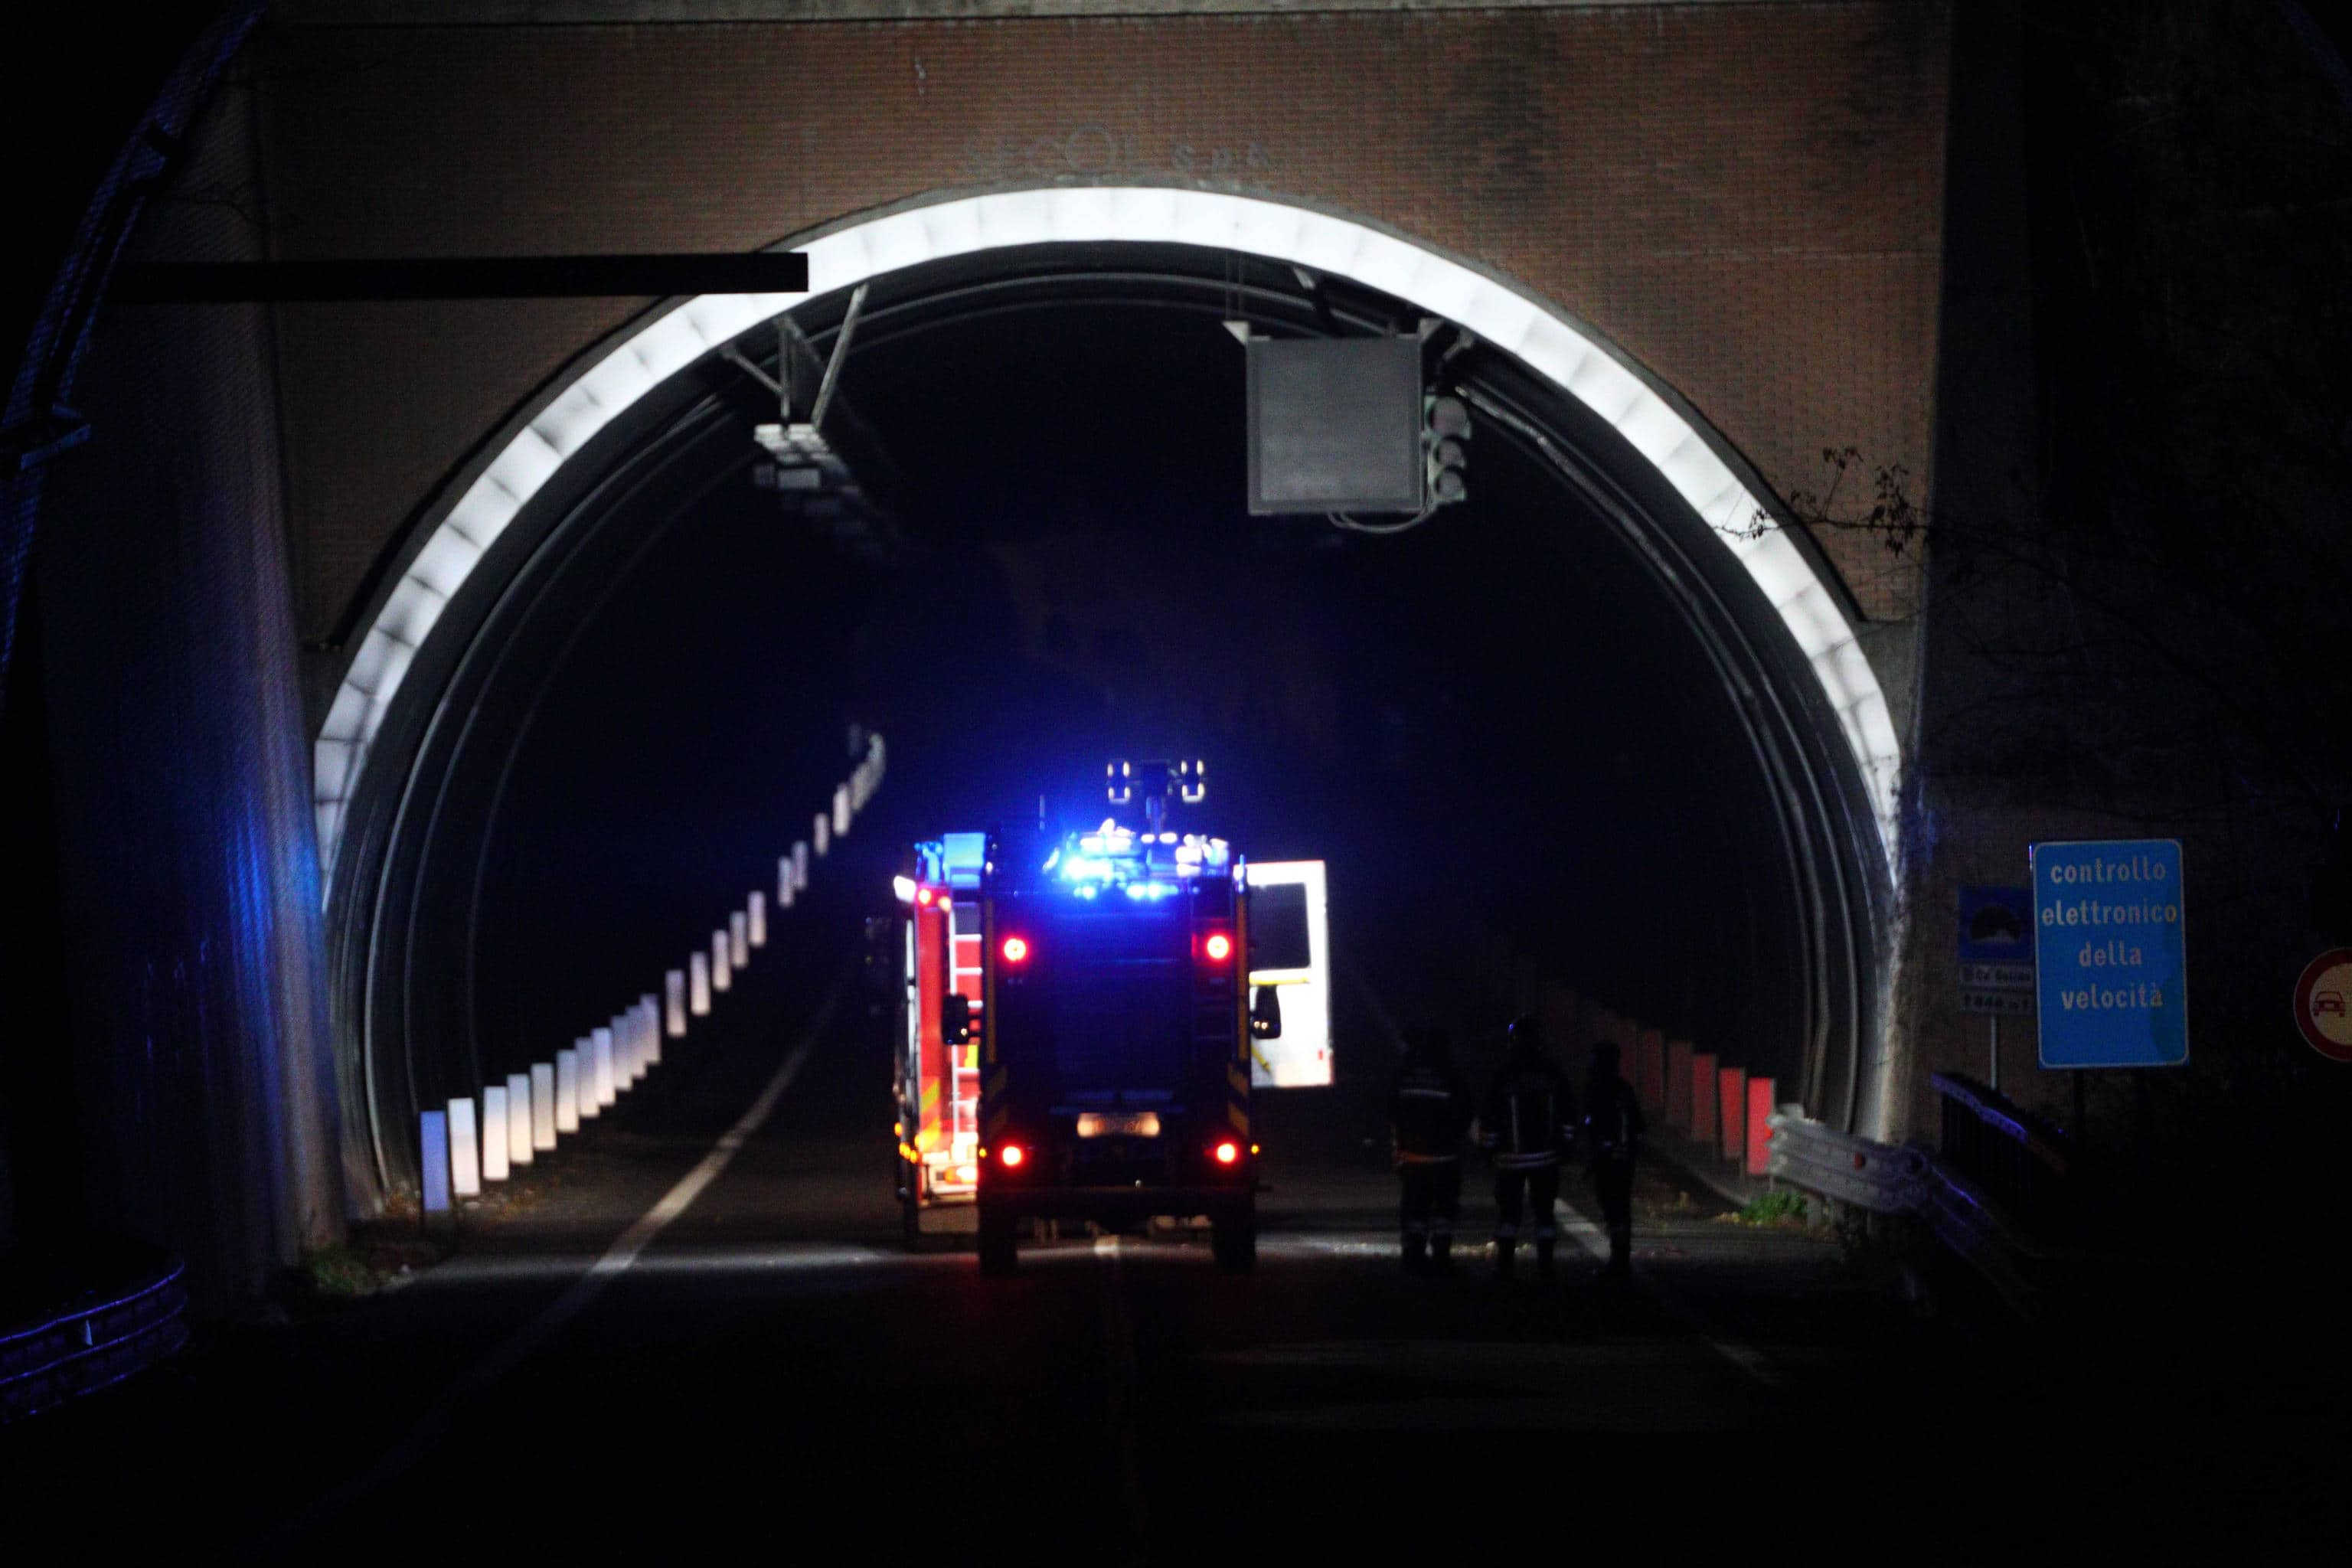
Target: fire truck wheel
(998,1251)
(1234,1241)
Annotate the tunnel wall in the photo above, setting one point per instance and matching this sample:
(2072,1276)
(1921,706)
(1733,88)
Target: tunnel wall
(201,1083)
(1747,199)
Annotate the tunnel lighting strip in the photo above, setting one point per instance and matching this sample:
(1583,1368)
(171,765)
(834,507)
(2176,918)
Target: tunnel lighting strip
(1499,314)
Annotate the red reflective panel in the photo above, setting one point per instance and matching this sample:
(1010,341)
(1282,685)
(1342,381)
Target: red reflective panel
(1012,1155)
(1015,950)
(1228,1152)
(1219,947)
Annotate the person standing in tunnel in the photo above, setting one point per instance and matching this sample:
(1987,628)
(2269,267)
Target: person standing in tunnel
(1527,1122)
(1613,1126)
(1428,1115)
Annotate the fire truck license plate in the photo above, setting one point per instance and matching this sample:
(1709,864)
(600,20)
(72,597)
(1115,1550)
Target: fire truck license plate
(1118,1124)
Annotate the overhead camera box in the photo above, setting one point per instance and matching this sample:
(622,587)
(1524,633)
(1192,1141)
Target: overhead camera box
(1334,424)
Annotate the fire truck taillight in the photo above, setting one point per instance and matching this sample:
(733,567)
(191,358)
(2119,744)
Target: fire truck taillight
(1218,947)
(1015,950)
(1012,1155)
(1227,1152)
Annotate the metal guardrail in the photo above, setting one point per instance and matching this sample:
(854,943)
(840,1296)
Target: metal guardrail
(1972,1230)
(2007,1153)
(94,1342)
(1874,1176)
(1994,1227)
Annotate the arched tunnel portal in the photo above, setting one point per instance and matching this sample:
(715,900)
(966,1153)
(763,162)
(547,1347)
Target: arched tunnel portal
(606,671)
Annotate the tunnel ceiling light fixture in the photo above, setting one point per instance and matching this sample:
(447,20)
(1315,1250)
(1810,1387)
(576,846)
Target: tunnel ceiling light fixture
(1548,342)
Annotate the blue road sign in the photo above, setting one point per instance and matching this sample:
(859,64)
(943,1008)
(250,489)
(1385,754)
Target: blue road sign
(2110,966)
(1997,929)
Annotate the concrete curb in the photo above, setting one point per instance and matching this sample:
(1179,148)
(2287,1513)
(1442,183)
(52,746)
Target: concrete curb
(1705,1168)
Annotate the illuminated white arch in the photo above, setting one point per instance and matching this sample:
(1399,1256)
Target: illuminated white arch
(1498,313)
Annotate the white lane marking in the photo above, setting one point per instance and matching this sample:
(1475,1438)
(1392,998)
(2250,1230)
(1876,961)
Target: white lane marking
(442,1414)
(1119,1398)
(1593,1240)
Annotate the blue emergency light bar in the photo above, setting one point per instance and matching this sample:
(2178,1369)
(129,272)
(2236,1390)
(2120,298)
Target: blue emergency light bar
(1145,866)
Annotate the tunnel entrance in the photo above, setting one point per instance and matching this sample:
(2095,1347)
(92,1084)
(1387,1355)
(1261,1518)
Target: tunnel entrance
(1586,722)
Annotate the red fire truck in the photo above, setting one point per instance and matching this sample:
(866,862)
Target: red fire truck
(1075,1027)
(933,953)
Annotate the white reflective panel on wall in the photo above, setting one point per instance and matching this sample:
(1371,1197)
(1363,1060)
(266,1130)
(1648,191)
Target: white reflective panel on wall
(494,1132)
(465,1151)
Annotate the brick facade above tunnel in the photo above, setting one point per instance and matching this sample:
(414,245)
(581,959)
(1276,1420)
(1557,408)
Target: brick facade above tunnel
(1745,199)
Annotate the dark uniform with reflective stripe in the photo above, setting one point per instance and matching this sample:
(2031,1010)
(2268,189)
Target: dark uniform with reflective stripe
(1429,1114)
(1529,1122)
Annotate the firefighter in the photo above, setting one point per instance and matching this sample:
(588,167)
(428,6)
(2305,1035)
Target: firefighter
(1429,1113)
(1614,1125)
(1528,1124)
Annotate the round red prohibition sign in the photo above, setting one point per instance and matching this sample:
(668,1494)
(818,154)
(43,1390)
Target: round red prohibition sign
(2322,1004)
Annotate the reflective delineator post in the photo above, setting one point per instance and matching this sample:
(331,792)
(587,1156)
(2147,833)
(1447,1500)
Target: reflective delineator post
(624,1052)
(723,974)
(841,811)
(650,1006)
(542,1107)
(784,882)
(674,998)
(1759,1126)
(465,1151)
(698,996)
(1650,1051)
(800,865)
(1678,1085)
(1704,1118)
(739,940)
(822,834)
(1731,1103)
(606,1087)
(519,1109)
(758,910)
(433,1162)
(567,1090)
(494,1132)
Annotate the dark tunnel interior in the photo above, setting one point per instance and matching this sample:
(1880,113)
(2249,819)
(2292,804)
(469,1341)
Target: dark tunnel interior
(1492,726)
